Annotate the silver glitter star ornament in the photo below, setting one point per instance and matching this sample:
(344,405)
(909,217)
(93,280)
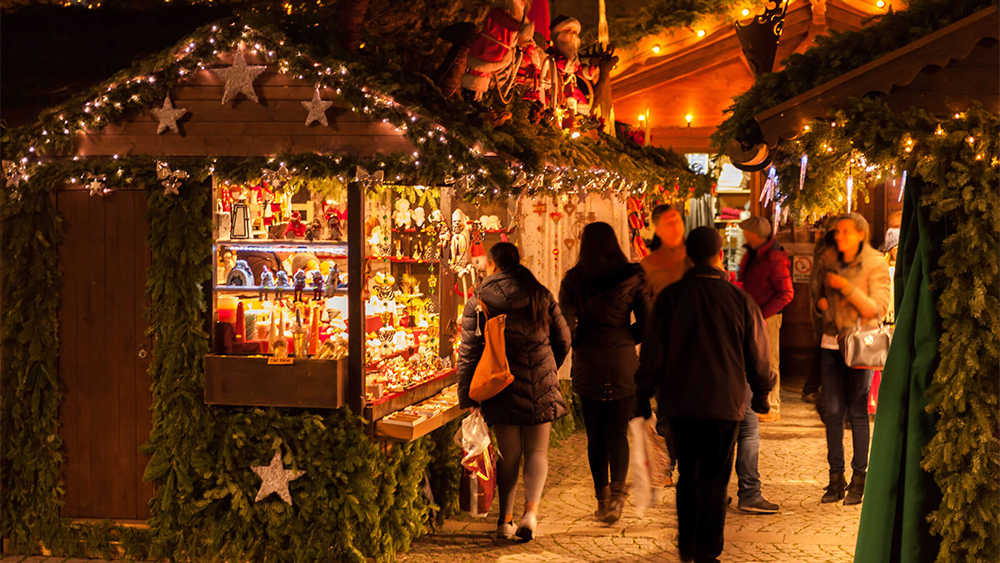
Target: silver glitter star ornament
(95,184)
(239,78)
(317,109)
(170,180)
(167,116)
(275,479)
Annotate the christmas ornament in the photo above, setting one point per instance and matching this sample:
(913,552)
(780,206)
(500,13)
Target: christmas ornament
(239,78)
(555,216)
(521,179)
(275,478)
(170,180)
(367,180)
(96,185)
(317,109)
(902,186)
(768,191)
(540,207)
(15,173)
(276,179)
(167,116)
(802,170)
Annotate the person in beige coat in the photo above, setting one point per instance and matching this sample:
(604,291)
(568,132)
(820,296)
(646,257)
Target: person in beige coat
(852,289)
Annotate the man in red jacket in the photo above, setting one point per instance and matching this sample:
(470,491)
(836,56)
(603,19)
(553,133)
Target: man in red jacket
(765,275)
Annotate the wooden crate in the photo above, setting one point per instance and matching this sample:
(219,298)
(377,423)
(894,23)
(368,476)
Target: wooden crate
(410,433)
(250,381)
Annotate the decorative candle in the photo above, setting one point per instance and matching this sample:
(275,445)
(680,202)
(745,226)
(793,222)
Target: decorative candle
(241,323)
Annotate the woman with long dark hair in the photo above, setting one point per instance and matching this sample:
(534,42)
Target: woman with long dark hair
(599,297)
(852,289)
(537,342)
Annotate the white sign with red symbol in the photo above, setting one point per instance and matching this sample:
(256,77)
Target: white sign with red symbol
(802,267)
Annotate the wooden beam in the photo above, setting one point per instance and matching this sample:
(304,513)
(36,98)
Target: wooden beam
(355,298)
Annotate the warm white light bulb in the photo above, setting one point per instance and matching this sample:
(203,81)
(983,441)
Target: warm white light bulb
(656,49)
(701,33)
(746,12)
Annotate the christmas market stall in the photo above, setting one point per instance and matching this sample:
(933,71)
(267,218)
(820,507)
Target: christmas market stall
(911,101)
(232,274)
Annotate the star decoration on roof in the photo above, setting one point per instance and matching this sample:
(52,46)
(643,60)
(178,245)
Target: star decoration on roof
(167,116)
(317,109)
(239,78)
(275,479)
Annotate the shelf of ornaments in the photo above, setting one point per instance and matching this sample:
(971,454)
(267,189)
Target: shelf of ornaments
(420,419)
(331,248)
(253,291)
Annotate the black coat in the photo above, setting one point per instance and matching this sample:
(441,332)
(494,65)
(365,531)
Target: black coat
(534,355)
(599,314)
(704,341)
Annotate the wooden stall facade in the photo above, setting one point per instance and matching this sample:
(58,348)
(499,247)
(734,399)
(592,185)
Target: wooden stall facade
(105,351)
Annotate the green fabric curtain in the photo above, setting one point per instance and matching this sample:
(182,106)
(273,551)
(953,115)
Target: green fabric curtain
(899,494)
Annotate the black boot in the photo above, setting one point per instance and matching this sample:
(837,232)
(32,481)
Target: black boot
(835,490)
(602,494)
(856,489)
(616,503)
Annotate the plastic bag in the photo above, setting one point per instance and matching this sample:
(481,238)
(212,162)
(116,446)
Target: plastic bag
(479,477)
(649,462)
(474,436)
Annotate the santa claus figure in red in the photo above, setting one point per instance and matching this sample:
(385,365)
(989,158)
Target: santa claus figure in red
(295,227)
(503,45)
(565,53)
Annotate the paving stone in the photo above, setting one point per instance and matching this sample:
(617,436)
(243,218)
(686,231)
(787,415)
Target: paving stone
(793,472)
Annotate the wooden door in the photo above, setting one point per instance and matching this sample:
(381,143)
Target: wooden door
(104,354)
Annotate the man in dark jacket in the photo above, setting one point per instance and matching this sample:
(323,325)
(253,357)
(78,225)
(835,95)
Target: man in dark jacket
(704,342)
(765,275)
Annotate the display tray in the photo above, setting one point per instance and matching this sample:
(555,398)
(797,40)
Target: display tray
(392,402)
(251,381)
(404,433)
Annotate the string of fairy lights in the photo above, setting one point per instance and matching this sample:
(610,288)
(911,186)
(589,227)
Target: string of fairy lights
(440,152)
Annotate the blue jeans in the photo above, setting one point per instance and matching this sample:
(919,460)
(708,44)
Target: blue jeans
(845,393)
(747,453)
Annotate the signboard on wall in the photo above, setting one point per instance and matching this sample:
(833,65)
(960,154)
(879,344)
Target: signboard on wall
(801,268)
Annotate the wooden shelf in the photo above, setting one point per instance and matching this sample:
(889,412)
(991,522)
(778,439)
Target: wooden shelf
(255,290)
(393,402)
(411,261)
(401,433)
(717,220)
(327,248)
(732,192)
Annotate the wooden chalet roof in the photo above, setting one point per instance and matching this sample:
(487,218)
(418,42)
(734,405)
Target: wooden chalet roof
(242,127)
(942,73)
(700,77)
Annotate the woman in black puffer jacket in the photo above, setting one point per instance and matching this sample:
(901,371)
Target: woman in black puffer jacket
(537,342)
(599,296)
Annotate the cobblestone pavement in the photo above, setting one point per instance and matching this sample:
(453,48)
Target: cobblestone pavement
(793,471)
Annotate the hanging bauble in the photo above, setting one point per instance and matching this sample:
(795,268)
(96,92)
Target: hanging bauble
(167,116)
(317,109)
(555,216)
(239,78)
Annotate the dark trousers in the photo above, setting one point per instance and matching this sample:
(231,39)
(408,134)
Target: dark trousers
(705,451)
(607,438)
(845,394)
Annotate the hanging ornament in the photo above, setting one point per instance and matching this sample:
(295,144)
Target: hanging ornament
(369,181)
(570,243)
(768,191)
(16,173)
(569,208)
(540,207)
(95,184)
(317,109)
(802,170)
(555,216)
(850,192)
(520,180)
(276,179)
(167,116)
(538,181)
(777,218)
(170,180)
(902,186)
(239,78)
(275,478)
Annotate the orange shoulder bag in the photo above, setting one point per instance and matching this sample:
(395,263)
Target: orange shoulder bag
(492,373)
